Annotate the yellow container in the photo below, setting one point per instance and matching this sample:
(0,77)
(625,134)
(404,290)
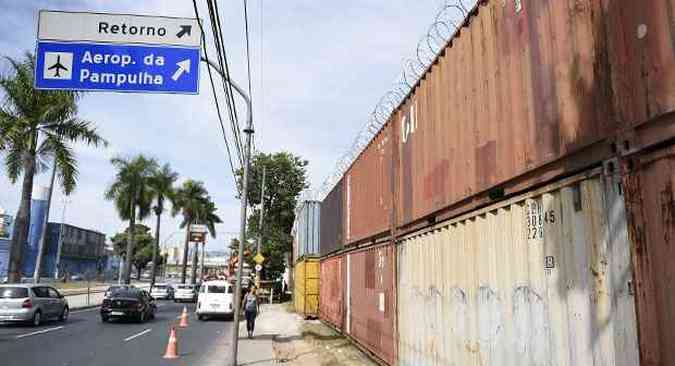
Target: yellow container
(306,292)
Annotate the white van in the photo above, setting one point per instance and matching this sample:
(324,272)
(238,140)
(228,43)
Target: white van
(215,299)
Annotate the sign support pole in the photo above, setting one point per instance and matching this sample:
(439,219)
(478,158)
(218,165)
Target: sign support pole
(260,225)
(244,203)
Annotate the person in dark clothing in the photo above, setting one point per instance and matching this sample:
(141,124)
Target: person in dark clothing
(251,308)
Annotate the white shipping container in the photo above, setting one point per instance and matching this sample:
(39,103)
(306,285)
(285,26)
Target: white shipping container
(541,279)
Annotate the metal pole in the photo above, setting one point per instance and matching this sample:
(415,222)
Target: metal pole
(60,245)
(244,198)
(201,264)
(43,231)
(260,225)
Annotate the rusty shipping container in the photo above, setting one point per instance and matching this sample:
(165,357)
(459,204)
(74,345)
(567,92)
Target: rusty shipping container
(306,287)
(331,233)
(541,279)
(371,300)
(525,94)
(368,190)
(331,294)
(649,184)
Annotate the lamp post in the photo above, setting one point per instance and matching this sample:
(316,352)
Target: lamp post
(60,244)
(244,198)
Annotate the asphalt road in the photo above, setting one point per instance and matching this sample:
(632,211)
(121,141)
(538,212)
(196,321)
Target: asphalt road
(85,340)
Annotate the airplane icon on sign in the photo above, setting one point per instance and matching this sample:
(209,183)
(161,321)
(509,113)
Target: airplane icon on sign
(58,67)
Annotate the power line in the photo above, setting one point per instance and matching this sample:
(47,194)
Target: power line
(261,116)
(215,96)
(248,54)
(214,14)
(228,91)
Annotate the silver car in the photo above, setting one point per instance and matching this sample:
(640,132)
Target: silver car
(162,291)
(31,303)
(185,293)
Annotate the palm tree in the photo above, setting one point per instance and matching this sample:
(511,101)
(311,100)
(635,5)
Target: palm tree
(207,216)
(189,202)
(36,125)
(132,196)
(161,186)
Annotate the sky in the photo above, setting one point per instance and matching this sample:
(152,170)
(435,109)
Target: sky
(318,69)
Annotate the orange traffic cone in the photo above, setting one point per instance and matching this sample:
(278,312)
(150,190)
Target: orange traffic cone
(172,347)
(184,318)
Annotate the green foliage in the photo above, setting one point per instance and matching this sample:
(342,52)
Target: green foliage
(40,125)
(194,204)
(161,187)
(285,178)
(142,252)
(132,183)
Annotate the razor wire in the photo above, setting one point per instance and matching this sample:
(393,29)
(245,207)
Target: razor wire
(446,25)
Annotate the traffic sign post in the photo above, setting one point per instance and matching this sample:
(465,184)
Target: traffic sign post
(121,53)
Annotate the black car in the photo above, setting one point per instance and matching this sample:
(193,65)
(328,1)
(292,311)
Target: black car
(135,304)
(115,288)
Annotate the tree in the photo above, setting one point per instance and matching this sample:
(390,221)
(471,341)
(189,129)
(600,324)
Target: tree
(285,178)
(142,249)
(36,125)
(132,197)
(161,187)
(207,216)
(189,202)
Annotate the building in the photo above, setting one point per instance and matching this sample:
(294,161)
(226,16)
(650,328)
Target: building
(83,251)
(5,237)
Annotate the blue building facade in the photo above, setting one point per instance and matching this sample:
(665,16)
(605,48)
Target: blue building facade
(83,251)
(5,237)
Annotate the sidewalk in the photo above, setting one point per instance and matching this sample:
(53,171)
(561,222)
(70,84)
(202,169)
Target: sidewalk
(284,337)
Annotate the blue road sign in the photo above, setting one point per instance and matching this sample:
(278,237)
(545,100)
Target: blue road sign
(117,67)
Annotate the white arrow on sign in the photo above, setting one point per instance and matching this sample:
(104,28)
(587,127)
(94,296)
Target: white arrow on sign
(183,66)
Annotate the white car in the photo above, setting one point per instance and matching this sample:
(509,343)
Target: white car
(185,293)
(215,299)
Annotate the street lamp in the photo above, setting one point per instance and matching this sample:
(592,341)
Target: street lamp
(248,130)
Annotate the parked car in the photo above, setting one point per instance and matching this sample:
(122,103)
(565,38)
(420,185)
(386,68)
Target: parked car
(185,293)
(162,291)
(115,288)
(31,303)
(215,299)
(130,303)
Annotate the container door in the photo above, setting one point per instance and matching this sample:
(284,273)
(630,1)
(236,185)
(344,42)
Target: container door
(650,198)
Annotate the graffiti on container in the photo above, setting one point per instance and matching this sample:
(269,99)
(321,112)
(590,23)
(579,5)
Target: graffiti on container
(380,267)
(409,123)
(531,324)
(489,321)
(537,217)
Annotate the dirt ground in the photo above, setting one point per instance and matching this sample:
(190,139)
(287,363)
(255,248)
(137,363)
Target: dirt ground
(318,344)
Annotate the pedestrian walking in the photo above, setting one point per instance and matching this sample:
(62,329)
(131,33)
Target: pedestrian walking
(251,309)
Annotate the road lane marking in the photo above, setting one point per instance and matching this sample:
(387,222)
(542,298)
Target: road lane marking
(39,332)
(127,339)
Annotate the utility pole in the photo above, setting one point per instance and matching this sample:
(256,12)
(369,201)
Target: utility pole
(201,264)
(244,201)
(60,244)
(260,225)
(43,231)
